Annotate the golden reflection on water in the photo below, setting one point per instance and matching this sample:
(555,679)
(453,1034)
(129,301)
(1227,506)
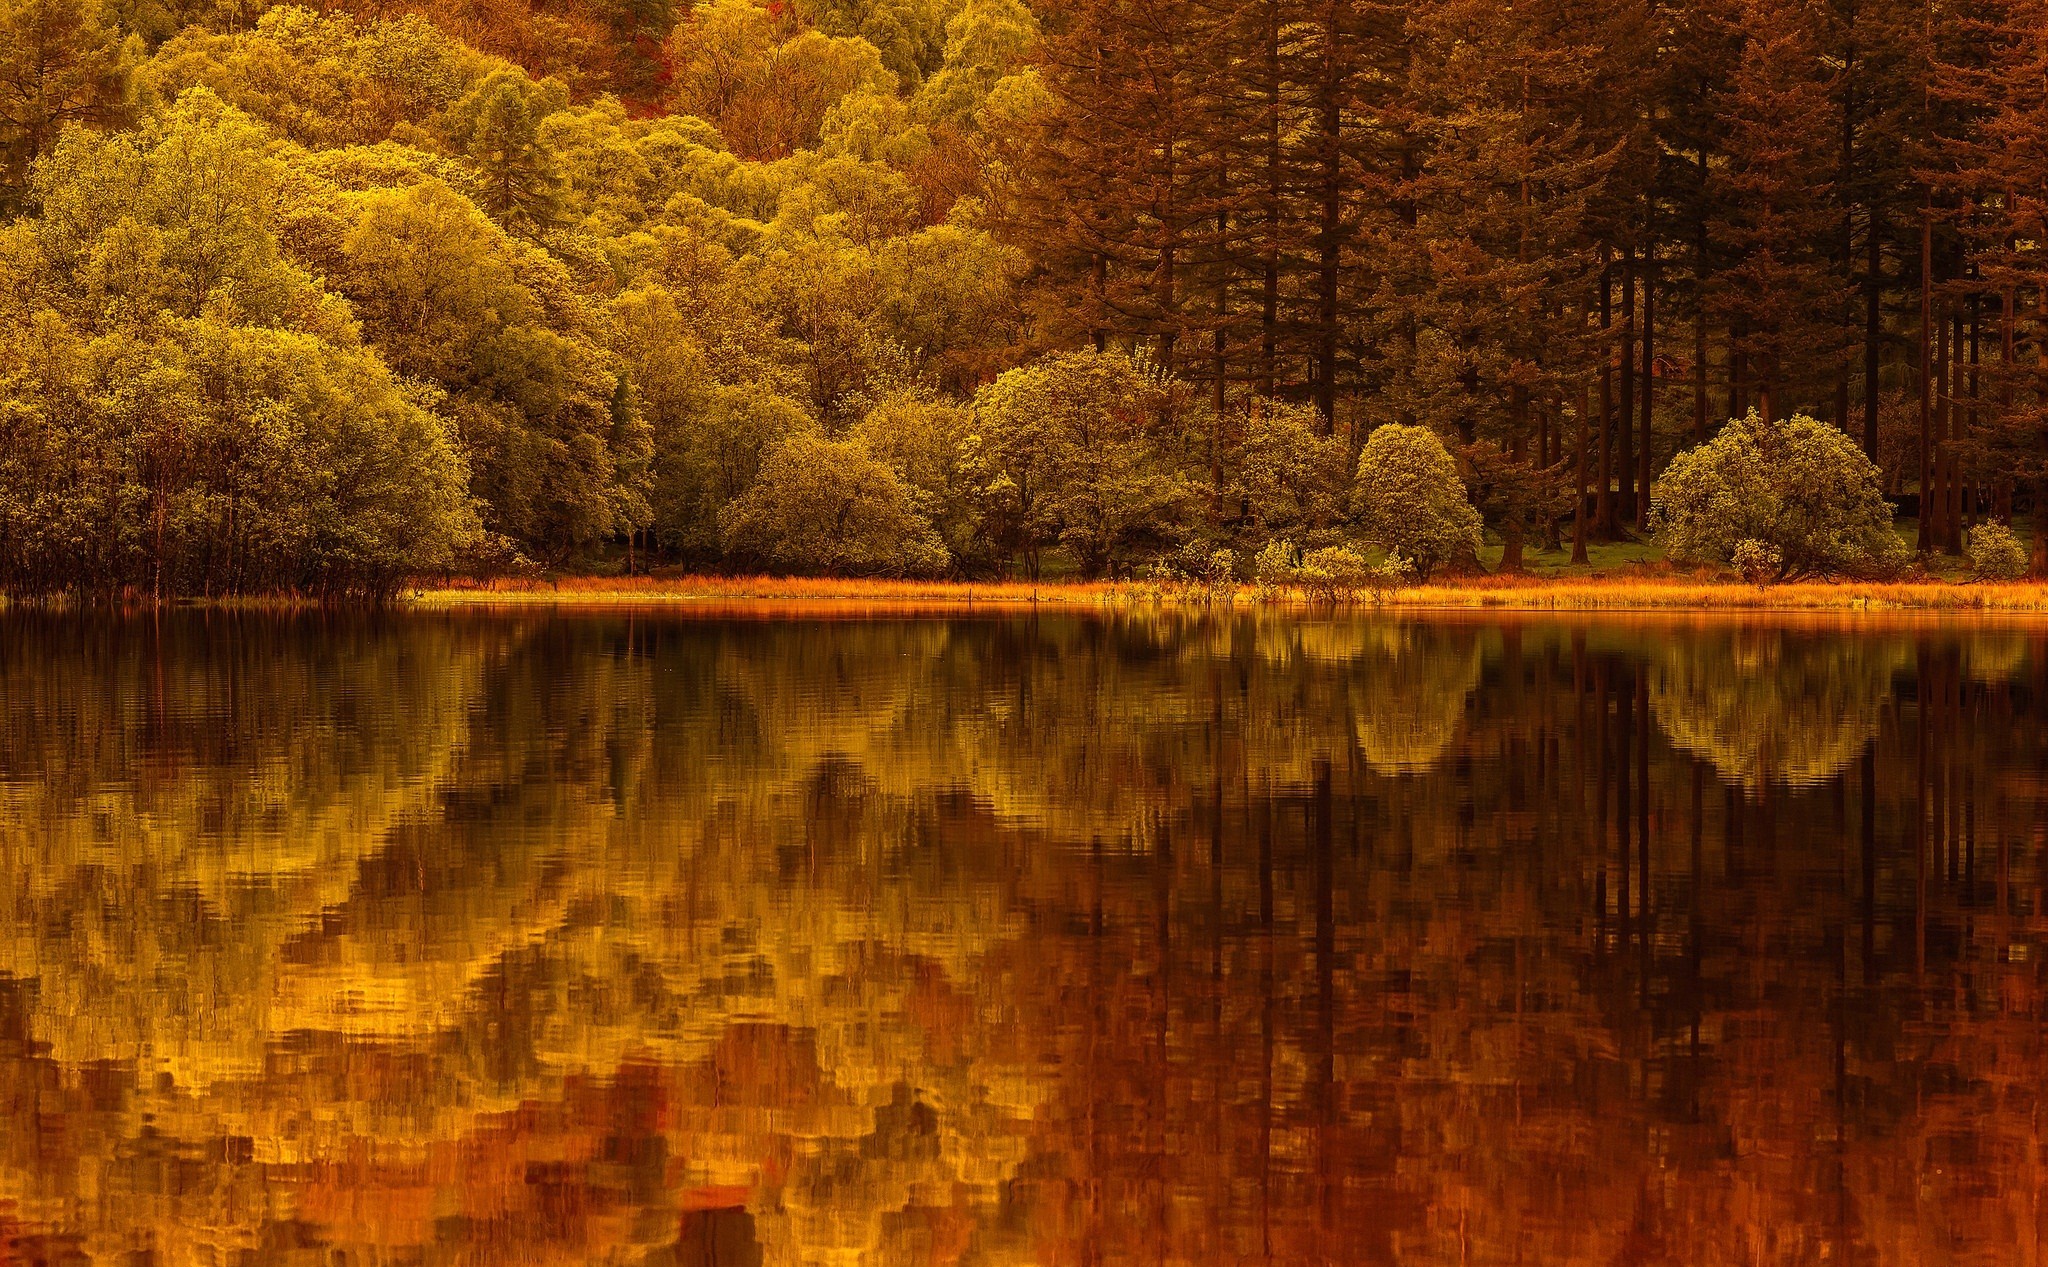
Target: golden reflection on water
(1030,940)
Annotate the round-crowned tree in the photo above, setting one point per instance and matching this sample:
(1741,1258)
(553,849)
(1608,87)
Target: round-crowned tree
(824,506)
(1798,486)
(1410,501)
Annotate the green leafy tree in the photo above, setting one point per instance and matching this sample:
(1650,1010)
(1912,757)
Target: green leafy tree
(558,450)
(1409,499)
(209,458)
(1073,456)
(825,506)
(1799,486)
(1284,477)
(922,437)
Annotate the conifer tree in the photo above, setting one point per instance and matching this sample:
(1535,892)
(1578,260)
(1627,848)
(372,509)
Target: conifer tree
(1117,185)
(1509,183)
(1780,294)
(1997,169)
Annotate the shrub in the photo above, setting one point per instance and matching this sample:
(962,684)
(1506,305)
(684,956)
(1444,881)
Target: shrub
(1219,574)
(1409,499)
(1800,487)
(1997,553)
(1388,575)
(1273,568)
(1332,574)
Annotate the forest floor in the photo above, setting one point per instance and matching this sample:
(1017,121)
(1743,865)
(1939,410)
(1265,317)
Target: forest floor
(1646,590)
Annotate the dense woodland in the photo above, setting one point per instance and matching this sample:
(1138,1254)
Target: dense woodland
(315,301)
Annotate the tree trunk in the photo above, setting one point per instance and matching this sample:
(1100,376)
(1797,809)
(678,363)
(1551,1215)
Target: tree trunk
(1329,232)
(1942,531)
(1579,477)
(1926,540)
(2039,570)
(1269,250)
(1604,491)
(1646,446)
(1624,446)
(1699,316)
(1873,332)
(1512,528)
(1738,369)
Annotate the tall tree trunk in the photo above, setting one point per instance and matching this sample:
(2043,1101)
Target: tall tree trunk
(1269,250)
(1329,230)
(1844,183)
(1943,530)
(1579,476)
(1738,369)
(1624,454)
(1646,446)
(1926,540)
(1873,330)
(1974,506)
(1699,377)
(1512,528)
(1604,494)
(1699,314)
(2039,569)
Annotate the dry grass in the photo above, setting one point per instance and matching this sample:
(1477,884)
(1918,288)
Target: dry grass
(1635,593)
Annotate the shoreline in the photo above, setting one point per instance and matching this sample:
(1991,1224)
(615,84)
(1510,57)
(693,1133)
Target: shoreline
(1617,594)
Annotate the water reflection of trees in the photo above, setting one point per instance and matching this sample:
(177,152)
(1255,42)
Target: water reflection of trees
(1767,705)
(1001,941)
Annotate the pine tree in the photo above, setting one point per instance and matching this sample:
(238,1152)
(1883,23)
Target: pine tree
(1781,295)
(1996,168)
(1117,189)
(1509,183)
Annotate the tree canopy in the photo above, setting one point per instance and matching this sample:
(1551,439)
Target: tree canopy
(1129,280)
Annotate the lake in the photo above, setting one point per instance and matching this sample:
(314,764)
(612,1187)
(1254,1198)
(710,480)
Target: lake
(679,939)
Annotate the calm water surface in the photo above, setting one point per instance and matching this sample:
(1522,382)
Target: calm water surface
(1055,940)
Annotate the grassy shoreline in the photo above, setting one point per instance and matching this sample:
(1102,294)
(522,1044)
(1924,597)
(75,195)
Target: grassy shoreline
(1633,593)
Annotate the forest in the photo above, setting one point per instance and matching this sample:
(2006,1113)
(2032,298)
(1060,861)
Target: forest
(298,301)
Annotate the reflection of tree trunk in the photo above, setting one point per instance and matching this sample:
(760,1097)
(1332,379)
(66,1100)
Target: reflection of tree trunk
(1600,804)
(1624,723)
(1643,823)
(1162,1037)
(1217,1058)
(1731,810)
(1694,919)
(1092,1205)
(1267,1019)
(1924,689)
(1868,826)
(1326,1006)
